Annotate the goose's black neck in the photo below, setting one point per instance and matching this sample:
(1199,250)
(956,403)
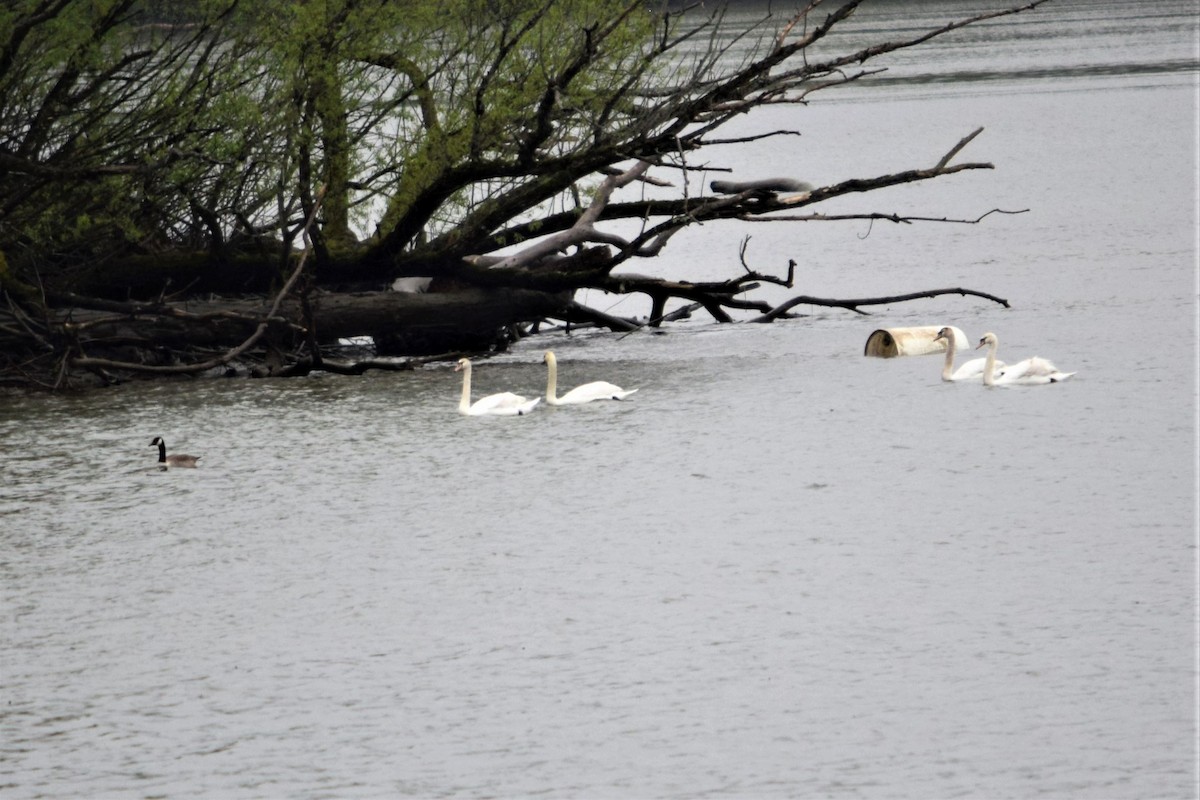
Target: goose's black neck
(162,452)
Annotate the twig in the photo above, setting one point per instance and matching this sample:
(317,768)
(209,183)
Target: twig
(752,275)
(896,218)
(958,147)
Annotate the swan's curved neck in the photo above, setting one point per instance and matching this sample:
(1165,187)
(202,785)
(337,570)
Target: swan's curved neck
(551,381)
(989,366)
(465,402)
(948,367)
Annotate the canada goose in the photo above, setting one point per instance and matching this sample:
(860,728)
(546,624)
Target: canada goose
(177,460)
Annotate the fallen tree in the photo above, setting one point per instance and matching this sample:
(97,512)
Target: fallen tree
(185,257)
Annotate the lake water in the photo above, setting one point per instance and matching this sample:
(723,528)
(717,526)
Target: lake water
(779,570)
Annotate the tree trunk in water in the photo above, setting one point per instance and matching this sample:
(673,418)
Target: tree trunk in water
(400,323)
(425,324)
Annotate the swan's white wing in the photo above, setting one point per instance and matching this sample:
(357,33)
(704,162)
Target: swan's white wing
(502,404)
(1050,374)
(1042,371)
(1041,366)
(1018,370)
(596,390)
(973,369)
(1031,372)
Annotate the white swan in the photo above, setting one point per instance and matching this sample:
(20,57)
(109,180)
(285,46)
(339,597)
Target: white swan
(1030,372)
(596,390)
(970,371)
(504,404)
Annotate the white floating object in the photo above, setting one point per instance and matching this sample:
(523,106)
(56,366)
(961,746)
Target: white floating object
(411,285)
(918,341)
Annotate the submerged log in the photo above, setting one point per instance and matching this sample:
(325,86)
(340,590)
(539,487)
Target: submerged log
(400,323)
(437,322)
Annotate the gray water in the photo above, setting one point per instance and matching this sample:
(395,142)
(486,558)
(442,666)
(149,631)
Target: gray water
(778,570)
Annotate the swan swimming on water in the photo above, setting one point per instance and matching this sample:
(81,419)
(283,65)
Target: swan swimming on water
(596,390)
(504,404)
(175,459)
(1030,372)
(970,371)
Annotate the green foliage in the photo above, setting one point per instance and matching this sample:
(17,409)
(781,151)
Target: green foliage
(133,126)
(517,83)
(115,128)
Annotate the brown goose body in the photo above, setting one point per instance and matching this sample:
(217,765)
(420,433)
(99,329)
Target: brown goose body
(174,460)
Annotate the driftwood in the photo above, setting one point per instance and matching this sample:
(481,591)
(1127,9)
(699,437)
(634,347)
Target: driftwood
(715,297)
(424,323)
(768,185)
(583,231)
(746,200)
(715,301)
(536,283)
(100,331)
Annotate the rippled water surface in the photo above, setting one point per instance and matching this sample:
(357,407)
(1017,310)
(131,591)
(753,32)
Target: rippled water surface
(779,570)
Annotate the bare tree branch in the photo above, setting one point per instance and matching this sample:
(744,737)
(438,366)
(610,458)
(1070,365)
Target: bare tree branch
(854,305)
(906,219)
